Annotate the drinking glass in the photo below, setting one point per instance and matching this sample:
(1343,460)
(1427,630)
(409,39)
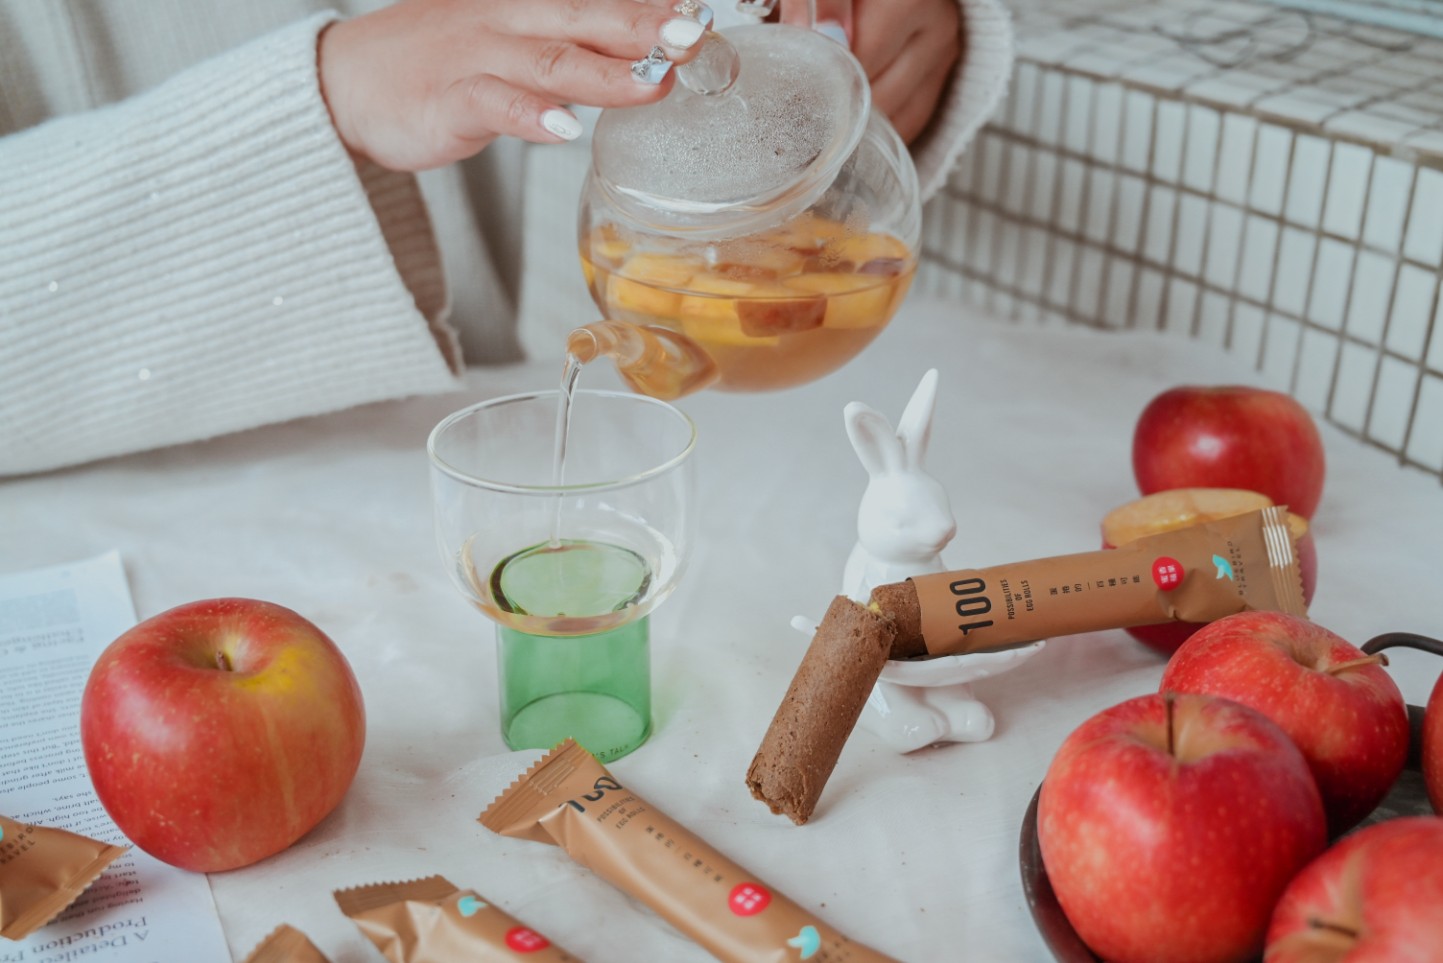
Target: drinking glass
(566,526)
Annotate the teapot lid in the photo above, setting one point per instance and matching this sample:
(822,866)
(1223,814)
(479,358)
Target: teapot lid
(796,110)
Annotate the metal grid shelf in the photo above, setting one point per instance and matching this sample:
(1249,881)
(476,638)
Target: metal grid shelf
(1264,179)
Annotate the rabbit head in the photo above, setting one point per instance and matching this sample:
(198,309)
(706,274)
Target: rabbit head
(905,516)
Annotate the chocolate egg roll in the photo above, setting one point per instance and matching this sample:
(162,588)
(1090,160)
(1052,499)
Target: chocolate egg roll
(828,691)
(1194,574)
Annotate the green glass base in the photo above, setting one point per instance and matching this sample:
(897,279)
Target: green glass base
(605,726)
(595,689)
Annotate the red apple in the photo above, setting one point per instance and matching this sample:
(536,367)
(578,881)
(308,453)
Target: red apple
(1169,825)
(1335,701)
(1180,507)
(1232,436)
(219,732)
(1431,750)
(1374,897)
(1433,747)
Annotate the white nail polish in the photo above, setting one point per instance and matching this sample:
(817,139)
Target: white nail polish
(681,33)
(833,30)
(561,123)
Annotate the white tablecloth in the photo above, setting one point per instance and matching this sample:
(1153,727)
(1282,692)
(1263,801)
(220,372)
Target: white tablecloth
(915,855)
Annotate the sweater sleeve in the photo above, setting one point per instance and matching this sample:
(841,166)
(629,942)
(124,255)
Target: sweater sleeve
(976,87)
(207,257)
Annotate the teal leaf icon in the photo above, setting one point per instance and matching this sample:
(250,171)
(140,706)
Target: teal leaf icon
(1225,568)
(808,941)
(469,905)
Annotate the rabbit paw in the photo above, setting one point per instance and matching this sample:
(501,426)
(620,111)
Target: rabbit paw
(967,719)
(899,716)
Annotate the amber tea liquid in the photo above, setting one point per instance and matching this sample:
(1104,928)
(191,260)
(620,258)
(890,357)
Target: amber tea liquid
(770,312)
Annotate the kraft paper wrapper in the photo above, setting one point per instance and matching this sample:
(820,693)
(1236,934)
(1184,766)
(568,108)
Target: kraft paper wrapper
(568,799)
(286,944)
(42,871)
(432,921)
(1242,563)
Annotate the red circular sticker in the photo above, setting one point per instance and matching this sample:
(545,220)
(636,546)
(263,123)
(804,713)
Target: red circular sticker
(748,899)
(525,940)
(1167,573)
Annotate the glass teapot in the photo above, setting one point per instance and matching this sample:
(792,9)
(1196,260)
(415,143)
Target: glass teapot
(753,230)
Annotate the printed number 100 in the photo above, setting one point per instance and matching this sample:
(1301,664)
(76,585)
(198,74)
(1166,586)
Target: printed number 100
(972,601)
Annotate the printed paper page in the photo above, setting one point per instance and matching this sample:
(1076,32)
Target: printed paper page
(54,623)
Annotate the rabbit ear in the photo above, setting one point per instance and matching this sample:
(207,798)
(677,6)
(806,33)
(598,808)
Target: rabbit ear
(872,438)
(915,425)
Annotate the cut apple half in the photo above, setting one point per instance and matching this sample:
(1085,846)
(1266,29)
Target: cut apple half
(1180,507)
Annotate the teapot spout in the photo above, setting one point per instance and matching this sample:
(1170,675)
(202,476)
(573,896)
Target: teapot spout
(652,360)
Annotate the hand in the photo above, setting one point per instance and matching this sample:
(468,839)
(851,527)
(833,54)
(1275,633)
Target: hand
(427,82)
(907,47)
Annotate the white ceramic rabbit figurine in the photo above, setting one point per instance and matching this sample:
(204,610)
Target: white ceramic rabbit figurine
(903,523)
(904,520)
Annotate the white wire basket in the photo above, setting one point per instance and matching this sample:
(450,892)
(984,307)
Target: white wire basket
(1264,175)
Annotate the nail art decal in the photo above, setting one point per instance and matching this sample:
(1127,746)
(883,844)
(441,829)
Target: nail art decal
(651,68)
(761,9)
(562,123)
(695,10)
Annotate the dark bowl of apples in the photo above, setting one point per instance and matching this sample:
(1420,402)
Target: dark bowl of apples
(1408,797)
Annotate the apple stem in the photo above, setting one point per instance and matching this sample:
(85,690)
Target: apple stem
(1168,701)
(1318,924)
(1376,658)
(222,661)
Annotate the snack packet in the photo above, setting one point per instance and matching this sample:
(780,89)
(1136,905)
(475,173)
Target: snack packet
(286,944)
(569,799)
(1200,573)
(42,871)
(432,921)
(1194,574)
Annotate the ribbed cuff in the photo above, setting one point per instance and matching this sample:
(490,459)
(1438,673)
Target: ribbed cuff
(976,87)
(203,258)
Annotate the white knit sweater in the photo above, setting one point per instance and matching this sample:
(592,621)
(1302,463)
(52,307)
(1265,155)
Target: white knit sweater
(187,249)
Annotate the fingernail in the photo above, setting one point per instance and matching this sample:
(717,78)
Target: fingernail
(679,34)
(833,30)
(651,68)
(562,123)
